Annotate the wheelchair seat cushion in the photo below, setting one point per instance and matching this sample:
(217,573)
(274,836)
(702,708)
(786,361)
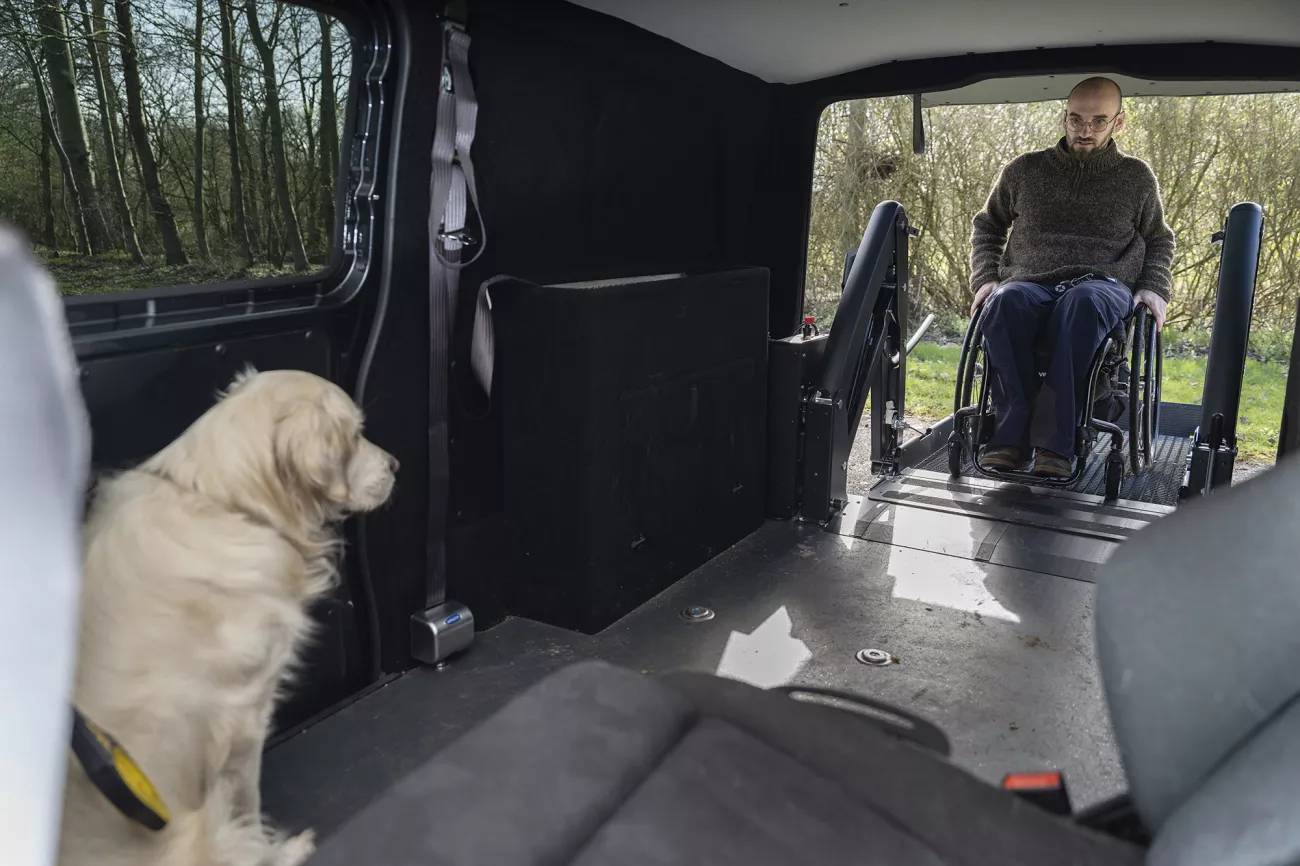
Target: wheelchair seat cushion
(601,765)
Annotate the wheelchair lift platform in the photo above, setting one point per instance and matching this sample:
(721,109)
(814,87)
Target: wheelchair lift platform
(1043,508)
(1078,509)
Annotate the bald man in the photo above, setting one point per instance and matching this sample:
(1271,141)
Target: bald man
(1090,242)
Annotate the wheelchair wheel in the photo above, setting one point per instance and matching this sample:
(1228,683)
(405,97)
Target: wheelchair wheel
(1145,369)
(955,455)
(968,362)
(1114,475)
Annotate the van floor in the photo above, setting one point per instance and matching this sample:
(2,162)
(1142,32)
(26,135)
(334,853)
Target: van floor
(999,656)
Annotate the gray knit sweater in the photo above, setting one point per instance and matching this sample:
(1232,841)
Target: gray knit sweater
(1100,215)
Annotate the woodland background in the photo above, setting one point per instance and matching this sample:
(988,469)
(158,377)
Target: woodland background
(1208,153)
(160,142)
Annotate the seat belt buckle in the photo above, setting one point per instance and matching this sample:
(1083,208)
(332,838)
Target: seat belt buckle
(1046,789)
(441,631)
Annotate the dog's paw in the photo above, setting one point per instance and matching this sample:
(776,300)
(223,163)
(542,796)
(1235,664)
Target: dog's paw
(296,850)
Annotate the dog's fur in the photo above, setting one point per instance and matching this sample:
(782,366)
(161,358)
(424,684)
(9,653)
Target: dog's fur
(199,567)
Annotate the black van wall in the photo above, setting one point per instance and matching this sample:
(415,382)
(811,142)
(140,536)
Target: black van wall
(601,151)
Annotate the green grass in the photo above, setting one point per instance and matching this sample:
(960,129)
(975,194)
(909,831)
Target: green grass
(932,370)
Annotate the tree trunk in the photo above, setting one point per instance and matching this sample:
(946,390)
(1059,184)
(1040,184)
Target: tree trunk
(48,127)
(230,79)
(312,235)
(95,26)
(72,125)
(246,153)
(200,125)
(274,250)
(162,209)
(289,220)
(329,129)
(214,203)
(48,238)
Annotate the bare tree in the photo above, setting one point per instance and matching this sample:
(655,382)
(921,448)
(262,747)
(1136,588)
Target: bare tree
(94,26)
(266,50)
(47,236)
(230,76)
(48,127)
(274,251)
(307,87)
(200,124)
(72,126)
(173,251)
(329,127)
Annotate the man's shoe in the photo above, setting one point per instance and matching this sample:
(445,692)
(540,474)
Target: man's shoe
(1002,458)
(1049,464)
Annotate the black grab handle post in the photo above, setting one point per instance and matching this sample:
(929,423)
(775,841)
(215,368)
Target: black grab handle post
(1215,449)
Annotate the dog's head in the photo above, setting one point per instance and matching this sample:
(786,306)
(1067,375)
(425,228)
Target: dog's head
(286,445)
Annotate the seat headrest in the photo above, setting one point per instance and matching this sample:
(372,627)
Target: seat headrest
(44,456)
(1198,635)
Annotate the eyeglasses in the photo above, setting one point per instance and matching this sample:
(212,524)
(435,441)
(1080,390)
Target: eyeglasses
(1078,124)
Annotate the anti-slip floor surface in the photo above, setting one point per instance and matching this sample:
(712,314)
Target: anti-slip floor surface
(1000,657)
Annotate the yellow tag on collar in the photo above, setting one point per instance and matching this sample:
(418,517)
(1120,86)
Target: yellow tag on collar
(120,779)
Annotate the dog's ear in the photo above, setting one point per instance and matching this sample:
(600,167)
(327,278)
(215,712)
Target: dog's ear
(312,451)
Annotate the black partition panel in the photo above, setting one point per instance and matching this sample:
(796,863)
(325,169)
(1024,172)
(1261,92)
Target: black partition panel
(633,436)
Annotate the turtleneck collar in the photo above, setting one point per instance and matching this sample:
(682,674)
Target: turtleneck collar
(1103,160)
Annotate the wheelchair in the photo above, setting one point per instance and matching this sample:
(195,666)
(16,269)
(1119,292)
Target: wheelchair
(1124,377)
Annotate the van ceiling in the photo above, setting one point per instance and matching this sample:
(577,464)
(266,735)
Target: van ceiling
(1036,88)
(792,41)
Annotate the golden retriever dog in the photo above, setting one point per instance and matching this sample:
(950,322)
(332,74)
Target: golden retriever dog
(200,565)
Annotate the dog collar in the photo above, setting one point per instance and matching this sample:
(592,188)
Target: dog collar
(111,770)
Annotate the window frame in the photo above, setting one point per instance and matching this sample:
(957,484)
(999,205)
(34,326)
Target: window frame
(358,214)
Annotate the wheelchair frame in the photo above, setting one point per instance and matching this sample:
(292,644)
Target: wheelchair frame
(973,422)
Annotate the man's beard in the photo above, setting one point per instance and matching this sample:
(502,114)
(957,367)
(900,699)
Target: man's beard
(1083,152)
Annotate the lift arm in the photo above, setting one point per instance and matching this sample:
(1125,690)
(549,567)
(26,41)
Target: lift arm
(865,353)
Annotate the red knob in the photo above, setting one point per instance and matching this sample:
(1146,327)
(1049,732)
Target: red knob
(808,320)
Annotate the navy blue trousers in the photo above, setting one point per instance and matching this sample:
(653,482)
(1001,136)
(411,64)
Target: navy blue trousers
(1073,320)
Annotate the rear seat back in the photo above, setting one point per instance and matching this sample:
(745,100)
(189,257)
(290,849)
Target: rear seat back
(1198,637)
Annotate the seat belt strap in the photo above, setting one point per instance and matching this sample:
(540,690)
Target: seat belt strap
(442,627)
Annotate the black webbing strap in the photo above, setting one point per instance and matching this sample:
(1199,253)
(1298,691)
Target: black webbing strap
(452,191)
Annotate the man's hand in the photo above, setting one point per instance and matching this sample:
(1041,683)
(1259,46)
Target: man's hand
(983,295)
(1156,304)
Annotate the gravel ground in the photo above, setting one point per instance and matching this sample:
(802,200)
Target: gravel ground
(860,477)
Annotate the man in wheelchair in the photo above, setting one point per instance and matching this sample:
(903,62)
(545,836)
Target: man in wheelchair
(1090,243)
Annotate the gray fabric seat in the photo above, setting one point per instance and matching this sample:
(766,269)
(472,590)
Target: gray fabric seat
(1198,636)
(1198,643)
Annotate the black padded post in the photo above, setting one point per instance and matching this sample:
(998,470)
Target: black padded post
(1215,449)
(1288,438)
(1232,312)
